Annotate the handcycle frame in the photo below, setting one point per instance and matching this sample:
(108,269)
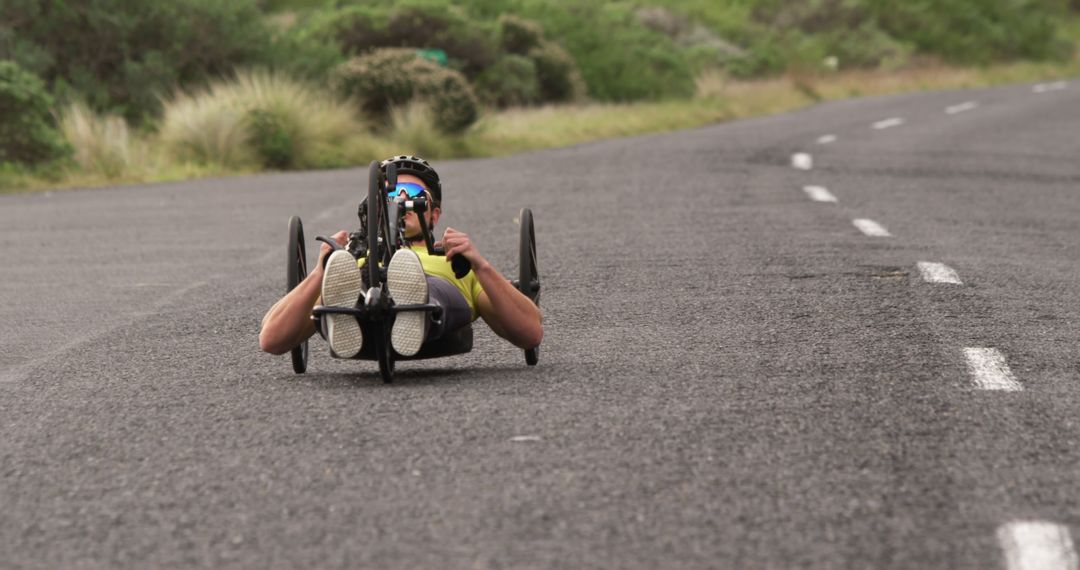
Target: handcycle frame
(376,242)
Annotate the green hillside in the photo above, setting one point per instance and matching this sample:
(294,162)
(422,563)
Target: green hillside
(78,69)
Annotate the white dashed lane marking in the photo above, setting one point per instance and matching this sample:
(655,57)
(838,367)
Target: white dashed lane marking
(933,272)
(1037,545)
(960,108)
(871,228)
(1046,87)
(884,124)
(802,161)
(819,194)
(989,371)
(826,139)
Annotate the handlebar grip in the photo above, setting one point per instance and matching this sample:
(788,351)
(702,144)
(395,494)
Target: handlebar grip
(461,266)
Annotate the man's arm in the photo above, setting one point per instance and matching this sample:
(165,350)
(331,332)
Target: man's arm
(506,310)
(288,323)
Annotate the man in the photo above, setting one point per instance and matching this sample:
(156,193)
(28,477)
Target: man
(413,277)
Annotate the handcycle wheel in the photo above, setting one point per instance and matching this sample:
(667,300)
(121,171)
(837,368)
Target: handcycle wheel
(528,273)
(376,201)
(386,358)
(377,225)
(296,272)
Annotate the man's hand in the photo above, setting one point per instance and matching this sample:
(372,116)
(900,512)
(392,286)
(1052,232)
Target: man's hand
(341,237)
(458,243)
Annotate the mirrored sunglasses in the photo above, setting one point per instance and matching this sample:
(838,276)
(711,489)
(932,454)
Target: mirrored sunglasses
(411,189)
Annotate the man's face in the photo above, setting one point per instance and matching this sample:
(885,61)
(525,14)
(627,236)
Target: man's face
(412,224)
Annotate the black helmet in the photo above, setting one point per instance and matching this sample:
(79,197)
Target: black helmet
(421,169)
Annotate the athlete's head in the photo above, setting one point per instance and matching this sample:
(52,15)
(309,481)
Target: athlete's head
(419,168)
(414,171)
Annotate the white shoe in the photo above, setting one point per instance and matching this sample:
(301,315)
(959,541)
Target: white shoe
(407,285)
(341,287)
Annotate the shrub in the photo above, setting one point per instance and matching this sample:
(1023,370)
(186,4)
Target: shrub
(270,138)
(557,74)
(470,46)
(518,35)
(625,60)
(258,118)
(299,51)
(27,134)
(872,33)
(395,76)
(451,100)
(968,32)
(124,54)
(103,145)
(378,80)
(511,82)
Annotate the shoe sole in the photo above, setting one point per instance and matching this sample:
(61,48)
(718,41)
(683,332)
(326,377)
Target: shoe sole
(407,284)
(341,288)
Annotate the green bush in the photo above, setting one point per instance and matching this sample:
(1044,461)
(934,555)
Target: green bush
(869,33)
(557,74)
(470,46)
(269,136)
(123,55)
(391,77)
(618,57)
(300,51)
(27,133)
(518,35)
(965,31)
(512,81)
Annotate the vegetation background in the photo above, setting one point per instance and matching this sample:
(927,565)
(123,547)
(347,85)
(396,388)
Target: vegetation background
(106,91)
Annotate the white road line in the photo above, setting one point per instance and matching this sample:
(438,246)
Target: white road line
(802,161)
(871,228)
(1037,545)
(1045,87)
(893,122)
(819,194)
(524,438)
(826,139)
(960,108)
(933,272)
(989,370)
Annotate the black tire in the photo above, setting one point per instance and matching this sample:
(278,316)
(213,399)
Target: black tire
(296,272)
(386,358)
(528,272)
(376,202)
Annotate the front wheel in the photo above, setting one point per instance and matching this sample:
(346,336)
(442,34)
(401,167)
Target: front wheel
(386,361)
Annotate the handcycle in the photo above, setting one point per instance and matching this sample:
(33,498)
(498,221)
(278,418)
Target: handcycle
(380,235)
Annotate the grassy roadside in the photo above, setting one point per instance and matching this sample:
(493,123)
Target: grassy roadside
(506,132)
(720,99)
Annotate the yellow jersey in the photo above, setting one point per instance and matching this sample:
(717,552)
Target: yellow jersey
(439,266)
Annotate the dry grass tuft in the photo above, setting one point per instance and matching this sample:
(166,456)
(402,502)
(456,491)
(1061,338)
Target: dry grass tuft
(213,126)
(103,145)
(413,128)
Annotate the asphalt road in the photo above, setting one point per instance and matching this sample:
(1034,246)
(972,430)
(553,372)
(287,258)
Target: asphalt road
(733,375)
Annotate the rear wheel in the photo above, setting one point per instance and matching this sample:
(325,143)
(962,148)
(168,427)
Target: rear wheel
(528,273)
(296,272)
